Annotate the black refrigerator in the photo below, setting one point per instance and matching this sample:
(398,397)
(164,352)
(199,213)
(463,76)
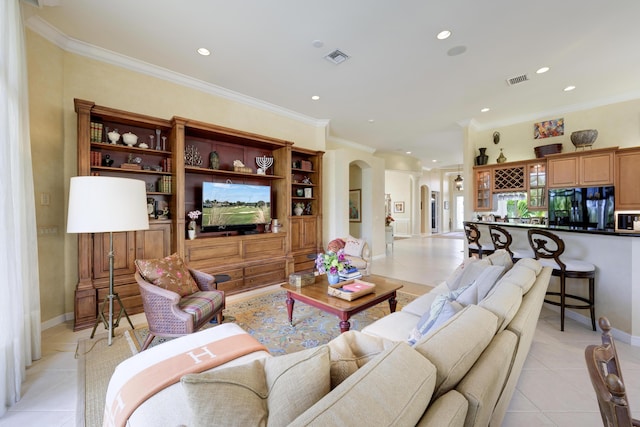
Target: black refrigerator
(585,208)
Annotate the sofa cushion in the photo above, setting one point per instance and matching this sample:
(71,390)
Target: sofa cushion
(456,345)
(501,257)
(169,273)
(394,388)
(522,277)
(504,301)
(530,263)
(423,303)
(481,286)
(442,310)
(272,391)
(464,270)
(448,410)
(394,327)
(353,246)
(484,383)
(350,351)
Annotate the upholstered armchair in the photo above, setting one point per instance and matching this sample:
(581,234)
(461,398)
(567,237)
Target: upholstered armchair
(355,250)
(177,300)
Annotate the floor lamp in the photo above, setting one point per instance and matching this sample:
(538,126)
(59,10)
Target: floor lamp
(102,204)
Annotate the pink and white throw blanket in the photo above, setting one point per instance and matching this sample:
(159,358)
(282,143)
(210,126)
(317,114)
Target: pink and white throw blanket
(145,374)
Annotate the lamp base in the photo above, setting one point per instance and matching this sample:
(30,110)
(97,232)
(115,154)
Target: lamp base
(101,318)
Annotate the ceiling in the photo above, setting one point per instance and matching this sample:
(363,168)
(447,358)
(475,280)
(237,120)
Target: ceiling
(401,89)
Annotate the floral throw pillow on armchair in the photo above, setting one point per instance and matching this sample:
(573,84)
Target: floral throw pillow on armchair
(169,273)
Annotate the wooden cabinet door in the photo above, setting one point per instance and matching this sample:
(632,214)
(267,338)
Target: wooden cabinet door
(627,179)
(123,250)
(303,232)
(563,172)
(154,242)
(596,169)
(483,195)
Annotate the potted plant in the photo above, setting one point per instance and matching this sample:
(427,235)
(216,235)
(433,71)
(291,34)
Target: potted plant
(191,226)
(331,263)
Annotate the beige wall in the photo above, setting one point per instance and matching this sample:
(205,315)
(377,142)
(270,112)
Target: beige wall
(617,125)
(56,77)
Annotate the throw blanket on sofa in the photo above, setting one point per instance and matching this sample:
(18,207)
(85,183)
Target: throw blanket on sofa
(147,382)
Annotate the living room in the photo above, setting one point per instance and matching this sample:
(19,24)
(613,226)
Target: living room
(60,69)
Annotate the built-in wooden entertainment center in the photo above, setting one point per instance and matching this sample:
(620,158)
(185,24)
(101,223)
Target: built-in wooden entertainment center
(174,164)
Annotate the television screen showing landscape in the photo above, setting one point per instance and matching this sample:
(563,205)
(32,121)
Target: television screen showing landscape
(228,205)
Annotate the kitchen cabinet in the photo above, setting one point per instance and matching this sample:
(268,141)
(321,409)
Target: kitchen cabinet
(581,169)
(627,179)
(483,194)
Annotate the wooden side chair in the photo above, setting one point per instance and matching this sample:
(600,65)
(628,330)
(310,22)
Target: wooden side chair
(547,247)
(473,241)
(606,377)
(177,300)
(502,239)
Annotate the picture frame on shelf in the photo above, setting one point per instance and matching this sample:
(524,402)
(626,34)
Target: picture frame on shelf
(398,207)
(308,193)
(355,205)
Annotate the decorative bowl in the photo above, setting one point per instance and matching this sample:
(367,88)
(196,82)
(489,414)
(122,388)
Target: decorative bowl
(584,138)
(130,139)
(544,150)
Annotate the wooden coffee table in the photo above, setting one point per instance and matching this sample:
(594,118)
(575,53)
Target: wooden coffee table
(316,295)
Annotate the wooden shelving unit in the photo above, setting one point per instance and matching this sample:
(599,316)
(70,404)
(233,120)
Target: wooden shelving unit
(252,261)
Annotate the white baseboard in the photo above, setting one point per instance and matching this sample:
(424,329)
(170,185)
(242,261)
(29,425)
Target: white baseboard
(617,334)
(56,321)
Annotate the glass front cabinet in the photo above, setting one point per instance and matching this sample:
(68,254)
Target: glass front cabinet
(483,189)
(537,175)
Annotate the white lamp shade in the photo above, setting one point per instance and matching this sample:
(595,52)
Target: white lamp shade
(99,204)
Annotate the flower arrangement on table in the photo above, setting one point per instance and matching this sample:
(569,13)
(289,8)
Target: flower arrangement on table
(193,215)
(331,262)
(388,220)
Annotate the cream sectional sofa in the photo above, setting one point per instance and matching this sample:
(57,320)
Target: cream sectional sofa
(461,373)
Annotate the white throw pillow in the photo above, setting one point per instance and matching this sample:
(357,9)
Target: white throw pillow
(353,246)
(501,257)
(441,310)
(455,280)
(481,286)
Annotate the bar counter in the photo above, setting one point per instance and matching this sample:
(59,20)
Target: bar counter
(617,260)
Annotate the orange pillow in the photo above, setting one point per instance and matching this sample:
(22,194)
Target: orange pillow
(169,273)
(335,245)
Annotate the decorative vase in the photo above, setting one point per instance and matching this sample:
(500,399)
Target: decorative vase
(333,278)
(191,230)
(214,160)
(482,159)
(501,158)
(298,210)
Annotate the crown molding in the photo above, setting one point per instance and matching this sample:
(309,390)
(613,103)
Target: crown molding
(69,44)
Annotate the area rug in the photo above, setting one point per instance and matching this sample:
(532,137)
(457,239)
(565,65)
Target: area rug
(96,363)
(265,318)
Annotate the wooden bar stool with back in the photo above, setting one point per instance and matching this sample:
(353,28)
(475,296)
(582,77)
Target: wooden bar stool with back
(547,248)
(473,241)
(502,239)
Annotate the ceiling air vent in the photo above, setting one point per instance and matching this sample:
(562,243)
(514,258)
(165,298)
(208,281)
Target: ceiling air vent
(517,79)
(337,56)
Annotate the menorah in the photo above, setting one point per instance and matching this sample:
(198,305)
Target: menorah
(264,163)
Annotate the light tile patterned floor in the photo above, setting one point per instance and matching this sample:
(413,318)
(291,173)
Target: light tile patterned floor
(553,390)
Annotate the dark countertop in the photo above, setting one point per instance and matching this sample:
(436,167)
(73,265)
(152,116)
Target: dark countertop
(606,231)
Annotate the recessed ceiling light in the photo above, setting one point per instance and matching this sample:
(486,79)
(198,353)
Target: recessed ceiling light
(408,152)
(457,50)
(542,70)
(569,88)
(485,109)
(315,97)
(442,35)
(204,51)
(434,161)
(371,120)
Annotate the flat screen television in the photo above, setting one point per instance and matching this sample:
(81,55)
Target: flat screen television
(234,207)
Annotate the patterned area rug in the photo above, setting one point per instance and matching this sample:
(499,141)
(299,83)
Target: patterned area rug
(265,317)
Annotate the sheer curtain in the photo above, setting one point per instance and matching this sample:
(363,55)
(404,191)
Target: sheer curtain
(19,288)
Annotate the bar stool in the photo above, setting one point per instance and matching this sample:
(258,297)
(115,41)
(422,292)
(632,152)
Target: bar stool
(473,240)
(547,247)
(502,239)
